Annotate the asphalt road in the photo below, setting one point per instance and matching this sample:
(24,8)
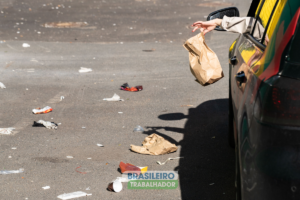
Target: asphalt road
(114,39)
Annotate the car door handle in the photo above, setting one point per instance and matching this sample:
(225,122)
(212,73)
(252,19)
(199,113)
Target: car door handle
(233,60)
(240,77)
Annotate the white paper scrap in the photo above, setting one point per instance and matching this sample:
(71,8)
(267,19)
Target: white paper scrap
(69,156)
(6,131)
(2,86)
(46,187)
(73,195)
(84,70)
(114,98)
(100,145)
(25,45)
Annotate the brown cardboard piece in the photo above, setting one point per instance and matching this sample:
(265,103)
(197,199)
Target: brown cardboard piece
(204,63)
(155,145)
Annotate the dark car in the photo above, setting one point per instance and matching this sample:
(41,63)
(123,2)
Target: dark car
(264,102)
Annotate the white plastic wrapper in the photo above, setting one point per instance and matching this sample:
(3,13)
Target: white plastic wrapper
(114,98)
(73,195)
(84,70)
(3,172)
(6,131)
(25,45)
(158,162)
(138,129)
(2,85)
(43,110)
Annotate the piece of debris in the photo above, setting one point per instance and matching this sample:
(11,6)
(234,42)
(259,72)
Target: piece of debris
(127,167)
(115,186)
(47,124)
(138,129)
(46,187)
(2,86)
(73,195)
(186,105)
(100,145)
(4,172)
(25,45)
(158,162)
(69,156)
(114,98)
(155,145)
(83,127)
(120,112)
(81,25)
(126,87)
(88,188)
(61,98)
(14,148)
(79,171)
(84,70)
(42,110)
(6,131)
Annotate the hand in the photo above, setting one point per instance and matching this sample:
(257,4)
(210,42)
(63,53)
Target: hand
(207,26)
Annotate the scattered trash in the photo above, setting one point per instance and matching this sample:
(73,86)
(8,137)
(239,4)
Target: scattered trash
(79,171)
(100,145)
(69,156)
(25,45)
(89,158)
(6,131)
(43,110)
(126,87)
(2,86)
(115,186)
(84,70)
(120,112)
(88,188)
(138,129)
(130,167)
(14,148)
(114,98)
(9,156)
(155,145)
(21,170)
(83,127)
(46,187)
(61,98)
(73,195)
(158,162)
(47,124)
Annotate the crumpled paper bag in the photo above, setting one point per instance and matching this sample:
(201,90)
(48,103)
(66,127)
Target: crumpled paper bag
(155,145)
(204,63)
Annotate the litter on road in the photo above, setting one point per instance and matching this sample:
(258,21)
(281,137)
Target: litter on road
(84,70)
(126,87)
(114,98)
(6,131)
(127,167)
(100,145)
(73,195)
(4,172)
(115,186)
(69,156)
(138,129)
(2,86)
(47,124)
(154,145)
(158,162)
(25,45)
(42,110)
(61,98)
(46,187)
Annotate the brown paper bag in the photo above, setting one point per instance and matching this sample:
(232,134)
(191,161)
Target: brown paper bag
(204,63)
(155,145)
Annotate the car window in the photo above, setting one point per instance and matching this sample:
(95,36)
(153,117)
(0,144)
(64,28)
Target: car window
(267,15)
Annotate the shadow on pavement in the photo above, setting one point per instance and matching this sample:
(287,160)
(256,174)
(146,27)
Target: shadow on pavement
(208,168)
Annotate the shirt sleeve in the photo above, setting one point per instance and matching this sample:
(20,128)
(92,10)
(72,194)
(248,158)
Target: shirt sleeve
(243,25)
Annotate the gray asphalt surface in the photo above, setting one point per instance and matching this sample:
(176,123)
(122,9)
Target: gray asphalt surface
(172,104)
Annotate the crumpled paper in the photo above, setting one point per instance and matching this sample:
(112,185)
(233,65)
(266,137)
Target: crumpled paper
(6,131)
(155,145)
(114,98)
(2,85)
(47,124)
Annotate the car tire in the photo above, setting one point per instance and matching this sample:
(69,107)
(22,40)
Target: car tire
(237,175)
(231,141)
